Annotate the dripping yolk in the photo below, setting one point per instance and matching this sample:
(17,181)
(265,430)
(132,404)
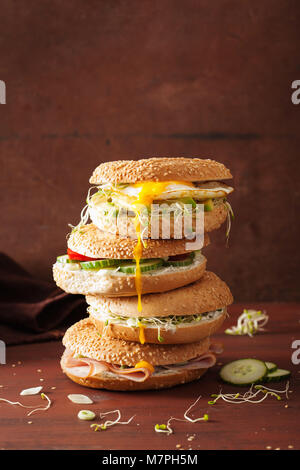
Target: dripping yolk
(145,365)
(141,333)
(149,192)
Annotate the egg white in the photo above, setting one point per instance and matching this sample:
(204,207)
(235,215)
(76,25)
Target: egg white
(180,190)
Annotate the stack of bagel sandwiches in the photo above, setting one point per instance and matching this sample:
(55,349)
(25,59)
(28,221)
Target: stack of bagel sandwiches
(152,306)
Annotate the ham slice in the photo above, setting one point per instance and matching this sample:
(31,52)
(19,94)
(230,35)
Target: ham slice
(86,367)
(139,374)
(82,367)
(201,362)
(204,361)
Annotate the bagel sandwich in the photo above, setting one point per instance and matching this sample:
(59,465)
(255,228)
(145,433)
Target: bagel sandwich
(101,362)
(122,222)
(127,190)
(183,315)
(99,263)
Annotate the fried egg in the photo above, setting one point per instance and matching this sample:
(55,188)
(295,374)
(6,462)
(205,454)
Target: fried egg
(147,192)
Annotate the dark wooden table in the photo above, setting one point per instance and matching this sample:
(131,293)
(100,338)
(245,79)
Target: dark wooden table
(272,423)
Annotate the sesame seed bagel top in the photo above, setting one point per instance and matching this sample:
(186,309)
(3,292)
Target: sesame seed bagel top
(207,294)
(160,169)
(93,242)
(82,338)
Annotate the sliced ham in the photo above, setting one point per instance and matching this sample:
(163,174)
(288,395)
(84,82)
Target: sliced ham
(139,374)
(83,366)
(70,361)
(204,361)
(86,367)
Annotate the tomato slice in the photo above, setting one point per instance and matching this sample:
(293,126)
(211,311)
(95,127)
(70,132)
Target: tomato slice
(78,257)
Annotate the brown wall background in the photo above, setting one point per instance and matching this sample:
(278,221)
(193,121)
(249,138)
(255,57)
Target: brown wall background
(91,81)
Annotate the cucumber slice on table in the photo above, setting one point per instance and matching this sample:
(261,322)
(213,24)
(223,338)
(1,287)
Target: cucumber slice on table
(150,265)
(271,366)
(99,264)
(181,260)
(277,375)
(244,372)
(65,259)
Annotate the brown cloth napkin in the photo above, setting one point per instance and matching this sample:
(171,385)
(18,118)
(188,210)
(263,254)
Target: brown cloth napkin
(33,310)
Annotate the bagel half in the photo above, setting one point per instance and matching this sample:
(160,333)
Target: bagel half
(160,169)
(181,333)
(89,240)
(113,283)
(126,225)
(169,364)
(183,315)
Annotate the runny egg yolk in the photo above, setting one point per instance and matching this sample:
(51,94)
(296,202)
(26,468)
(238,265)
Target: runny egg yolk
(145,365)
(149,192)
(141,333)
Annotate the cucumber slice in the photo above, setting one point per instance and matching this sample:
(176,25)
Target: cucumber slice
(277,375)
(271,366)
(132,261)
(182,260)
(99,264)
(244,372)
(150,265)
(65,259)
